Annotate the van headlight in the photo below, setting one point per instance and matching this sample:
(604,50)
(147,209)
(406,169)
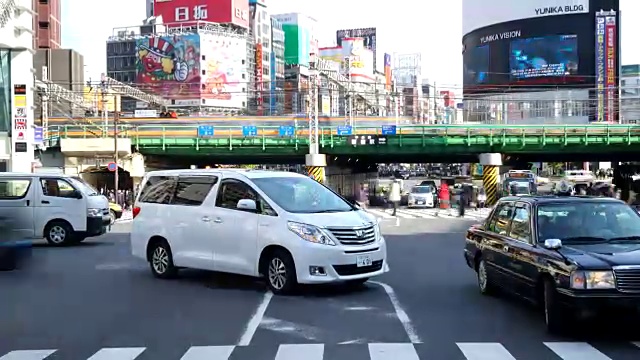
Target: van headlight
(310,233)
(592,280)
(94,212)
(376,230)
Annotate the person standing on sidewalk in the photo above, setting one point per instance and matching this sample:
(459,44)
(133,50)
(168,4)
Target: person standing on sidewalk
(394,195)
(362,197)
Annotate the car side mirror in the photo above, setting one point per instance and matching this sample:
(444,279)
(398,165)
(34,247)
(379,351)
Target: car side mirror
(247,205)
(553,244)
(76,194)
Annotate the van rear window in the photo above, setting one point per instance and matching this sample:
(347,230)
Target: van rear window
(177,190)
(14,189)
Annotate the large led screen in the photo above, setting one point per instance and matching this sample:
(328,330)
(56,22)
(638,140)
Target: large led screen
(545,56)
(476,71)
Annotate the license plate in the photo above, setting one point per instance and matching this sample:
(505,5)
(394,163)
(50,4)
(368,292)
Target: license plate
(364,260)
(420,202)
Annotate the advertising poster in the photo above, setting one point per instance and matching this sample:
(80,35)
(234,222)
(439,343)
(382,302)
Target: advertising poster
(259,79)
(169,66)
(388,77)
(367,34)
(19,121)
(610,67)
(600,67)
(225,75)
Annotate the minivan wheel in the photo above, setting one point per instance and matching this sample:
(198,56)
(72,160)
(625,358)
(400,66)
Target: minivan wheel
(281,273)
(59,233)
(161,261)
(484,283)
(112,216)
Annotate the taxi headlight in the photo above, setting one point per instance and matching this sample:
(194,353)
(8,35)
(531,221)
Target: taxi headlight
(94,212)
(310,233)
(592,280)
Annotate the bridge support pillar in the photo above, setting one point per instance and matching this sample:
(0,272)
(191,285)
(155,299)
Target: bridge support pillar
(316,164)
(491,175)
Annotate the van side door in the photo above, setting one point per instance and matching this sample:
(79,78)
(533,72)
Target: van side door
(17,206)
(55,200)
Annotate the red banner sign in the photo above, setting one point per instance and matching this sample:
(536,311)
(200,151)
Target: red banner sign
(259,78)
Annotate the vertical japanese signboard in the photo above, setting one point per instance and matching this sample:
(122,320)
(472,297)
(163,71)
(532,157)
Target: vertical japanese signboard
(259,79)
(611,43)
(600,66)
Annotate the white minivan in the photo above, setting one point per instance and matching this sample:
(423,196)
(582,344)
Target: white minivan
(59,208)
(283,226)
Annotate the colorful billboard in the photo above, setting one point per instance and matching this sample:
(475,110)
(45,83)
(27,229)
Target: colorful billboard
(259,79)
(217,11)
(356,60)
(388,77)
(299,38)
(169,66)
(369,39)
(224,82)
(600,67)
(611,84)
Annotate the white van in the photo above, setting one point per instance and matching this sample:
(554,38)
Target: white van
(59,208)
(283,226)
(579,176)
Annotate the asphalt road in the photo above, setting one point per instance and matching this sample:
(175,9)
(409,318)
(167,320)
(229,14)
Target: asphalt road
(79,300)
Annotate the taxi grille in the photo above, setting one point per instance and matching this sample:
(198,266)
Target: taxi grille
(354,236)
(627,278)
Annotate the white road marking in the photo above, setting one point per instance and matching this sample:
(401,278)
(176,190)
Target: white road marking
(208,353)
(402,315)
(256,319)
(300,351)
(421,214)
(485,351)
(379,213)
(28,355)
(306,332)
(576,351)
(117,354)
(392,352)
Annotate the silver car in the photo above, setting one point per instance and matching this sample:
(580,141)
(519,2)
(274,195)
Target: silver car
(422,196)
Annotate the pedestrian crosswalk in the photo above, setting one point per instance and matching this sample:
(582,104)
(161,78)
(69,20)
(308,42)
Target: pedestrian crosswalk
(372,351)
(127,216)
(429,213)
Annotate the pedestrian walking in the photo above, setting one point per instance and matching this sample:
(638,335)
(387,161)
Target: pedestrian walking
(394,195)
(462,203)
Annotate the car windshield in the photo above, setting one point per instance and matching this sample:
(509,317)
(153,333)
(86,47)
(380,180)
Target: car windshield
(588,222)
(301,195)
(421,190)
(84,186)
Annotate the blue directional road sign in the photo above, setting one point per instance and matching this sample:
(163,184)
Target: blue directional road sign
(389,129)
(286,131)
(205,131)
(249,131)
(344,130)
(38,135)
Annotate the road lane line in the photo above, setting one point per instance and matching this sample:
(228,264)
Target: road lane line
(300,352)
(379,213)
(576,351)
(256,319)
(28,355)
(117,353)
(402,351)
(485,351)
(402,315)
(208,353)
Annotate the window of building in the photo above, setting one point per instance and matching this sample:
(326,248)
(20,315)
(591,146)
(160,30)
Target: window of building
(43,24)
(43,2)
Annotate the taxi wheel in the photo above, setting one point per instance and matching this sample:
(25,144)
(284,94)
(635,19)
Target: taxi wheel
(554,314)
(485,284)
(281,273)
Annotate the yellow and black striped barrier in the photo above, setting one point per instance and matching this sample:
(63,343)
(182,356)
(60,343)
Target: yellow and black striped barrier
(316,173)
(490,182)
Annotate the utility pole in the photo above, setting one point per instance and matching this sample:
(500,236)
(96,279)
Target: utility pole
(44,107)
(396,102)
(103,100)
(116,118)
(347,61)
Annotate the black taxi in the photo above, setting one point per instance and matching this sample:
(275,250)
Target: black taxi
(574,256)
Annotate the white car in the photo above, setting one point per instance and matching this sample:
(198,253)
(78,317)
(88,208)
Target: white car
(421,196)
(283,226)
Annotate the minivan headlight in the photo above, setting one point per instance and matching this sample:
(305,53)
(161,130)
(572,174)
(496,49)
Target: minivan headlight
(592,280)
(94,212)
(310,233)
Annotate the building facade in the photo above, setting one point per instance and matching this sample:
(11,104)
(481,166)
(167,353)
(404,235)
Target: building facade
(630,94)
(260,25)
(525,64)
(16,86)
(65,67)
(46,24)
(276,94)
